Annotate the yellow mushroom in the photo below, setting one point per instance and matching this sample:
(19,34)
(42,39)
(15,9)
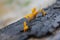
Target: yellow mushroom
(25,27)
(32,15)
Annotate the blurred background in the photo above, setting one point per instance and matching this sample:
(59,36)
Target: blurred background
(12,10)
